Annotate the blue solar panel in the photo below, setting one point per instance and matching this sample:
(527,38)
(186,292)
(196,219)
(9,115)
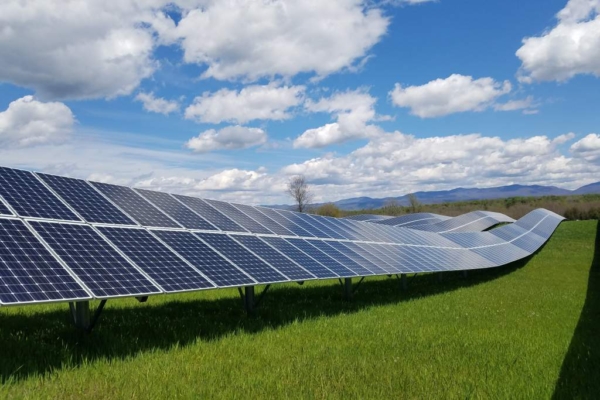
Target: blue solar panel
(301,258)
(239,217)
(376,264)
(156,260)
(329,262)
(90,204)
(176,210)
(267,222)
(3,209)
(349,253)
(101,268)
(29,273)
(30,198)
(283,221)
(303,222)
(341,258)
(135,205)
(278,261)
(210,263)
(242,258)
(210,213)
(382,252)
(324,226)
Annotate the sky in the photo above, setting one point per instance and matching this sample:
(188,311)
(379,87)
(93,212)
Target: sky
(228,99)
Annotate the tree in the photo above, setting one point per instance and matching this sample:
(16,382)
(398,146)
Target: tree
(329,210)
(414,203)
(300,191)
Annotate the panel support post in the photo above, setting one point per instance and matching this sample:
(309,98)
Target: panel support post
(81,314)
(440,276)
(404,281)
(348,288)
(465,274)
(249,299)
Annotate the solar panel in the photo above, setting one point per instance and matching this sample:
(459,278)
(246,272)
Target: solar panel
(210,263)
(277,260)
(348,251)
(3,209)
(381,265)
(90,204)
(135,206)
(239,217)
(29,273)
(267,222)
(283,221)
(301,221)
(30,198)
(306,247)
(101,268)
(156,260)
(210,213)
(301,258)
(240,256)
(176,210)
(340,257)
(323,226)
(382,252)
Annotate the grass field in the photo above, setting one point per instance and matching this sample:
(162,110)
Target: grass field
(530,330)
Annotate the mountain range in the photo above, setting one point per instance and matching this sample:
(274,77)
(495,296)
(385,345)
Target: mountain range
(461,194)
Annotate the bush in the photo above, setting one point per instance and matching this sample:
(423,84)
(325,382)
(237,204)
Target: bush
(329,210)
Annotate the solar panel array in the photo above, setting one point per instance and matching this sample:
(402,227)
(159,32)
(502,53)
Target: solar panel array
(76,240)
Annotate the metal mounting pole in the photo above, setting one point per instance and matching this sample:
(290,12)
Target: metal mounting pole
(249,299)
(81,314)
(348,288)
(403,281)
(465,274)
(440,276)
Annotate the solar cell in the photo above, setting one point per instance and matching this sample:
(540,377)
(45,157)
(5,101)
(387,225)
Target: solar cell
(277,260)
(240,256)
(176,210)
(29,273)
(321,257)
(301,221)
(156,260)
(101,268)
(323,226)
(381,265)
(382,252)
(301,258)
(210,263)
(30,198)
(267,222)
(135,205)
(349,251)
(210,213)
(283,221)
(3,209)
(340,257)
(239,217)
(90,204)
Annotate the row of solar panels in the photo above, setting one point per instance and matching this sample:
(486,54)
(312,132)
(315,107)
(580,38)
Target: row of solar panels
(56,261)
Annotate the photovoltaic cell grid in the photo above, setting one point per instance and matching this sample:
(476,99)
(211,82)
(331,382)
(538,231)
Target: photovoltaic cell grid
(29,273)
(210,213)
(30,198)
(135,205)
(176,210)
(321,257)
(90,204)
(4,210)
(104,271)
(266,221)
(240,256)
(239,217)
(210,263)
(156,260)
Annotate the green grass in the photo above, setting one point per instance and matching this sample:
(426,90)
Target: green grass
(529,330)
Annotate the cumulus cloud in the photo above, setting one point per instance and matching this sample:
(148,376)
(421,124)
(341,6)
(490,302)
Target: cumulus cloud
(157,104)
(28,122)
(268,102)
(587,148)
(228,138)
(572,47)
(353,110)
(457,93)
(76,50)
(527,105)
(254,39)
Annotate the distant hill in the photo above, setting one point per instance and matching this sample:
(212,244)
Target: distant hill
(461,194)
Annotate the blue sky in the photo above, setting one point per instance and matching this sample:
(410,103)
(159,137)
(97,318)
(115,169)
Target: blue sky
(229,99)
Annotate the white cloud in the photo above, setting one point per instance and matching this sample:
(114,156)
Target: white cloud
(588,148)
(527,105)
(572,47)
(267,102)
(228,138)
(28,122)
(254,39)
(65,49)
(457,93)
(353,111)
(157,104)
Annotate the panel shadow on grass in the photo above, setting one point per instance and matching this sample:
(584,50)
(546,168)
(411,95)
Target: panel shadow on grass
(39,343)
(580,372)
